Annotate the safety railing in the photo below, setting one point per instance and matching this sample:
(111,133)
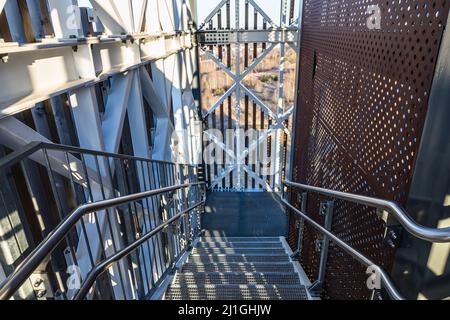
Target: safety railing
(105,204)
(425,233)
(49,244)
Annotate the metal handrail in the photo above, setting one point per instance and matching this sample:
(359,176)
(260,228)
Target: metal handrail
(32,261)
(385,279)
(109,262)
(33,147)
(415,229)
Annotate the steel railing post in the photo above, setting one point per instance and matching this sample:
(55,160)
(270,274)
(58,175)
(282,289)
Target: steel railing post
(326,209)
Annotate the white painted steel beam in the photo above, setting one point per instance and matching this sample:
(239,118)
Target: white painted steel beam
(152,24)
(115,110)
(164,126)
(66,18)
(223,37)
(72,66)
(221,100)
(261,12)
(213,13)
(2,5)
(166,15)
(116,16)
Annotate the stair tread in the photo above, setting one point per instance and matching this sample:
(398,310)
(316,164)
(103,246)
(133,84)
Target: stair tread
(272,278)
(288,263)
(238,258)
(240,239)
(238,273)
(237,292)
(236,254)
(239,250)
(239,244)
(237,268)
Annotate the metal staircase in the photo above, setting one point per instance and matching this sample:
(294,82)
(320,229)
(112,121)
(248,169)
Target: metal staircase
(238,268)
(140,217)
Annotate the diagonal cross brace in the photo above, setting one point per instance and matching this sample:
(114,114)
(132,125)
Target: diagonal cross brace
(213,13)
(223,175)
(238,82)
(261,12)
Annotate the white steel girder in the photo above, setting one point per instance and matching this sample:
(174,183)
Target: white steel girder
(65,16)
(164,125)
(2,5)
(122,16)
(71,64)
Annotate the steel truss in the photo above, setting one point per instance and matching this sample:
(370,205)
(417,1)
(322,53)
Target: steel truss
(103,70)
(237,175)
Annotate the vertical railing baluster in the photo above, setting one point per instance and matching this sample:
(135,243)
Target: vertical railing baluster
(147,225)
(136,214)
(131,226)
(83,225)
(108,213)
(59,205)
(156,220)
(97,226)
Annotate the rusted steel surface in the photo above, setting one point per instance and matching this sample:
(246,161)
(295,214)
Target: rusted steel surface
(362,105)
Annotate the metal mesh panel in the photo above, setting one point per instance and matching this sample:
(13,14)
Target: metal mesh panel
(362,105)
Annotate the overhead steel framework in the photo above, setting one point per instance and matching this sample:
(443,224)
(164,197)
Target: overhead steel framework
(143,51)
(114,77)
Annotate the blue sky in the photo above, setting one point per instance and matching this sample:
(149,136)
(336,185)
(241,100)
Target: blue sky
(271,7)
(204,7)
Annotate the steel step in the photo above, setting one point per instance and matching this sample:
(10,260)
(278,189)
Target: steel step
(238,267)
(272,278)
(240,245)
(239,251)
(205,258)
(240,239)
(236,292)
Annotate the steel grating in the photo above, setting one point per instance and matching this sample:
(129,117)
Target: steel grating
(259,275)
(275,278)
(221,258)
(212,245)
(239,250)
(236,292)
(240,239)
(362,106)
(238,267)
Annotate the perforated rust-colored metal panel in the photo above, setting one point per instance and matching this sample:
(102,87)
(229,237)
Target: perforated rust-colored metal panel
(362,105)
